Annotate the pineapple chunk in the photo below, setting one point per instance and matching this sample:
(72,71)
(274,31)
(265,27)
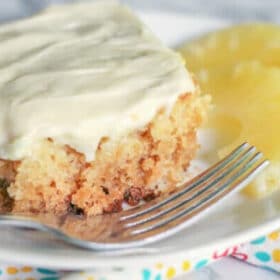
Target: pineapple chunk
(240,68)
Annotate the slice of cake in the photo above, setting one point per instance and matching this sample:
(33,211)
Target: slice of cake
(94,111)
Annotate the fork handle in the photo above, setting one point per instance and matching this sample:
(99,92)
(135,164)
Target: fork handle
(27,223)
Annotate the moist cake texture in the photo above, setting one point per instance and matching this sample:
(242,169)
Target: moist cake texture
(94,111)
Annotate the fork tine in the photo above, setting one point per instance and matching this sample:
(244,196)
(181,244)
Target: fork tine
(208,196)
(191,193)
(192,214)
(207,174)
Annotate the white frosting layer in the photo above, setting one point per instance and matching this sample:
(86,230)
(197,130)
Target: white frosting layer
(77,73)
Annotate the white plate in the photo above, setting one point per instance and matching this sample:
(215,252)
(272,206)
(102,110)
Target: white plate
(233,223)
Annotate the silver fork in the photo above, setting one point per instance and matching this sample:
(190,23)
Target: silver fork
(157,219)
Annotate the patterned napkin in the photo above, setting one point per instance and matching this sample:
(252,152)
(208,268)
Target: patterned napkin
(263,252)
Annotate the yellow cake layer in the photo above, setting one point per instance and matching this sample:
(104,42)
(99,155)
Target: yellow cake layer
(142,165)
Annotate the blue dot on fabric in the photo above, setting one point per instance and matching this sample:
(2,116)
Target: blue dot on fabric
(263,256)
(146,274)
(258,241)
(49,278)
(158,277)
(46,271)
(201,264)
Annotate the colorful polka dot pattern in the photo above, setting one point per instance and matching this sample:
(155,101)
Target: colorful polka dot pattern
(263,251)
(159,271)
(27,273)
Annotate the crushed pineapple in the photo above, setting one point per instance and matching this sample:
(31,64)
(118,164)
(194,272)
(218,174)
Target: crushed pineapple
(240,68)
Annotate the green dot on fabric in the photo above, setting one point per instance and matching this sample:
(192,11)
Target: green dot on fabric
(46,271)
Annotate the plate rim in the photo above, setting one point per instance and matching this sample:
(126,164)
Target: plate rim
(128,261)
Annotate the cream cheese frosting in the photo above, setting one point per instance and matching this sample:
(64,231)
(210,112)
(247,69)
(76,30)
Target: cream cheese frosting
(80,72)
